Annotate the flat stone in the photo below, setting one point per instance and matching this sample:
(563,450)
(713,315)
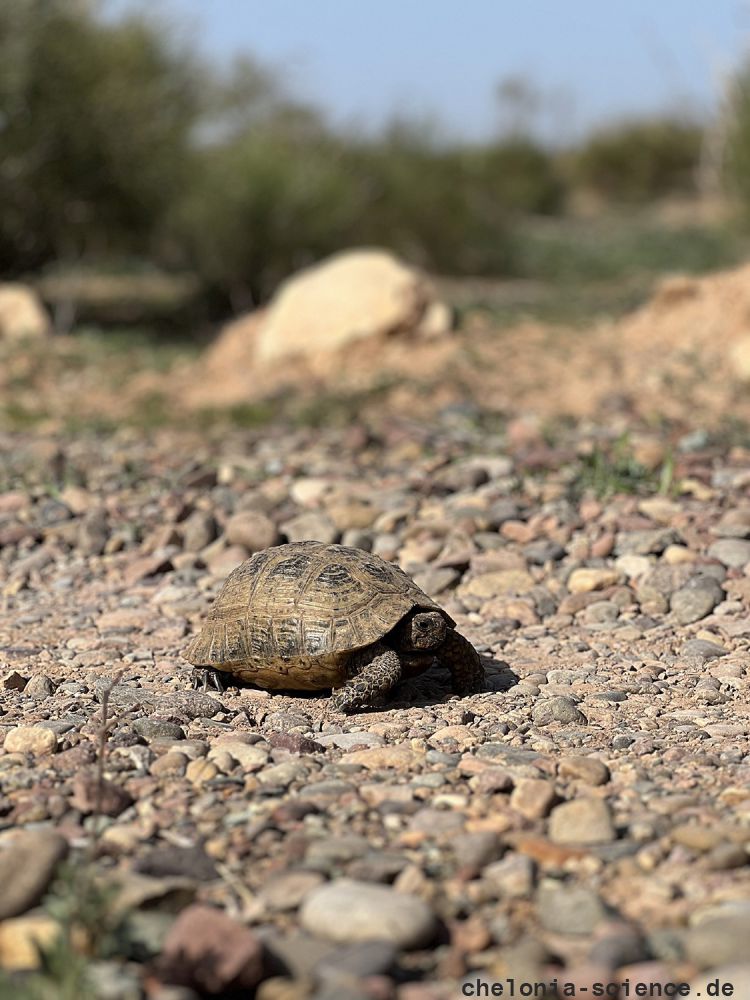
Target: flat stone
(349,911)
(719,940)
(581,821)
(507,581)
(191,704)
(351,741)
(167,862)
(399,756)
(36,740)
(590,770)
(586,579)
(543,551)
(569,909)
(732,552)
(703,649)
(361,959)
(557,709)
(696,599)
(27,866)
(337,849)
(250,756)
(150,729)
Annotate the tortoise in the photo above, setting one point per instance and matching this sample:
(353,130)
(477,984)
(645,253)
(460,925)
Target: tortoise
(311,616)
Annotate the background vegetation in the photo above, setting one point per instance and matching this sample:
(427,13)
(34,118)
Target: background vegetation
(121,150)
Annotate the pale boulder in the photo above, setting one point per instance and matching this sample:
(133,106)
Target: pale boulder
(22,313)
(351,296)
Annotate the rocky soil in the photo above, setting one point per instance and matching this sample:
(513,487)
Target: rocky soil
(584,820)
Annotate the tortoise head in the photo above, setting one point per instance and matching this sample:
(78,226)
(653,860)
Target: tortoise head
(421,631)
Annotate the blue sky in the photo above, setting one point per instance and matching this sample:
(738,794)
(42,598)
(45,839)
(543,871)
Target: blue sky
(365,60)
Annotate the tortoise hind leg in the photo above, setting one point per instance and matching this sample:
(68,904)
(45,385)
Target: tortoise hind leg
(372,673)
(208,677)
(460,657)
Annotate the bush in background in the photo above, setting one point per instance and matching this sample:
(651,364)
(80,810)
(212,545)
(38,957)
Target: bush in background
(120,147)
(639,161)
(95,127)
(734,140)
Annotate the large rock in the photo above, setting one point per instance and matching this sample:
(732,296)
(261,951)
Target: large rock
(347,910)
(21,313)
(27,866)
(350,296)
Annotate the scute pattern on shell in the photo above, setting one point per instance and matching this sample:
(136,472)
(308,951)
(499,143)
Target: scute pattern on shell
(293,612)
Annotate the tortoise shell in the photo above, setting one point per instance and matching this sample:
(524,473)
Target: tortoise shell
(290,615)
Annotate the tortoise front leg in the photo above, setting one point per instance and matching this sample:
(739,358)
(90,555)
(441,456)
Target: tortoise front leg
(206,677)
(372,672)
(460,657)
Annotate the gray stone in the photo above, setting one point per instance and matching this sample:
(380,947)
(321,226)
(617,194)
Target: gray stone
(624,946)
(559,709)
(198,531)
(508,754)
(601,612)
(377,867)
(150,729)
(696,599)
(93,532)
(191,704)
(652,541)
(363,958)
(174,862)
(435,581)
(346,910)
(719,940)
(39,687)
(569,909)
(702,649)
(351,741)
(732,552)
(543,551)
(337,849)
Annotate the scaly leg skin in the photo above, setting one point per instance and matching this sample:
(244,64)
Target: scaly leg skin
(208,677)
(372,673)
(460,657)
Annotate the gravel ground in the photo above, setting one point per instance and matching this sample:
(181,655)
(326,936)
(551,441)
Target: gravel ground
(584,820)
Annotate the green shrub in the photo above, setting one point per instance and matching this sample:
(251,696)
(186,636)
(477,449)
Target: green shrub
(261,206)
(639,161)
(96,120)
(521,175)
(736,142)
